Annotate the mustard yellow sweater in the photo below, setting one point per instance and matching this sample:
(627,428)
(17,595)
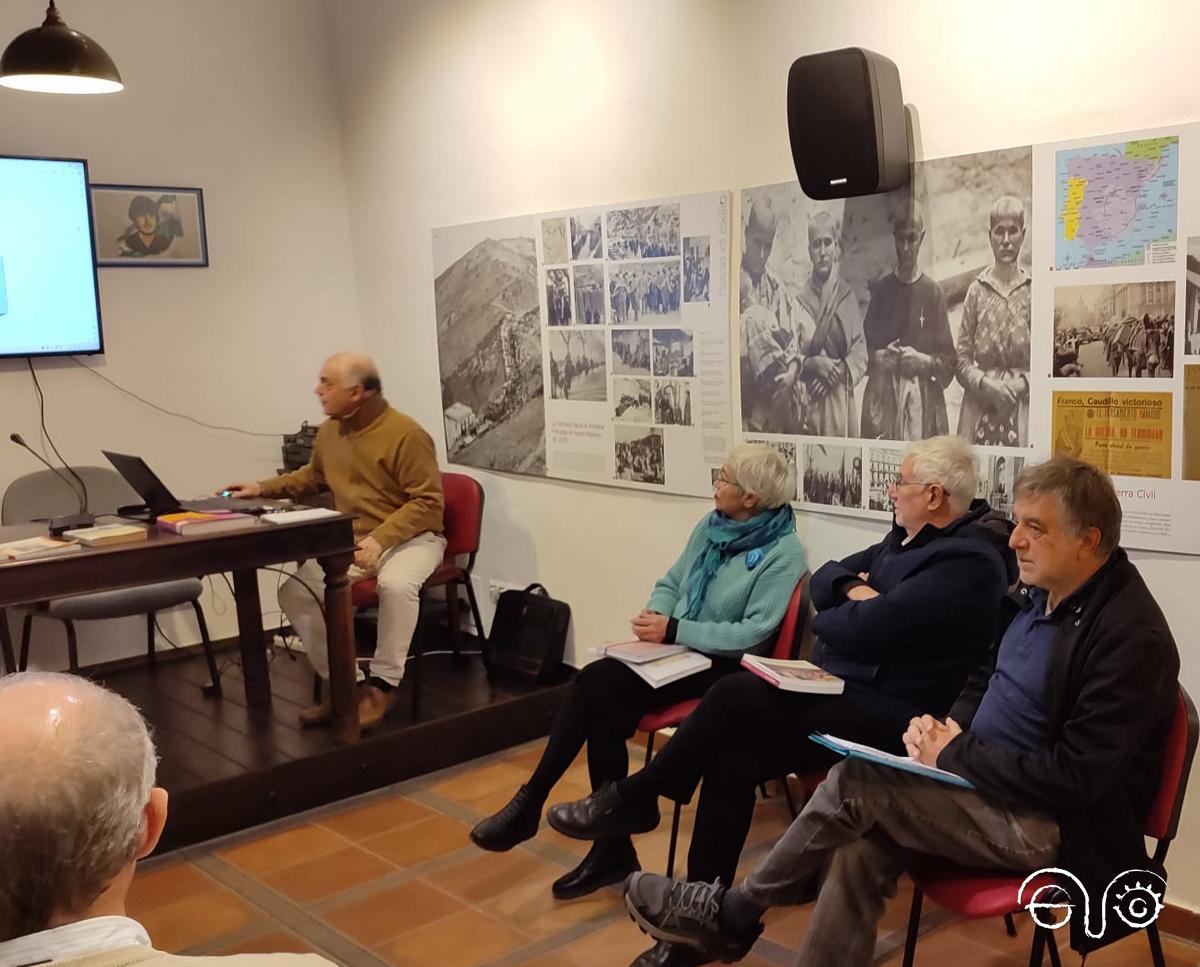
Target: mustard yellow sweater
(380,466)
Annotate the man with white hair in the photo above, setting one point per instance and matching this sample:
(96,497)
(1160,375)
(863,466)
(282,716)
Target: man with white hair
(79,808)
(381,467)
(903,623)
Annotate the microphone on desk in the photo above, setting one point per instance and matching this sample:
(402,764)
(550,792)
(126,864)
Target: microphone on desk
(67,521)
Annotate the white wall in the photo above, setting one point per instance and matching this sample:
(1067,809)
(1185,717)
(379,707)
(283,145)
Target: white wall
(458,112)
(234,98)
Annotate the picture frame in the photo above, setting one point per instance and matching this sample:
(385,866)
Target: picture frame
(138,226)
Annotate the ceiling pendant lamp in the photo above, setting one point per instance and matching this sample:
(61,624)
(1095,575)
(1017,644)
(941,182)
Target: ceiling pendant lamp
(55,59)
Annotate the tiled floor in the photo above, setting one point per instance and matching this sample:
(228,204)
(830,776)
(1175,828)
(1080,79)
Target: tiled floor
(391,879)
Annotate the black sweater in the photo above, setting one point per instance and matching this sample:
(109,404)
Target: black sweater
(1111,684)
(936,616)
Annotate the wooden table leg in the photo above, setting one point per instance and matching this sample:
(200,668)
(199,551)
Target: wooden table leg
(339,633)
(250,639)
(10,661)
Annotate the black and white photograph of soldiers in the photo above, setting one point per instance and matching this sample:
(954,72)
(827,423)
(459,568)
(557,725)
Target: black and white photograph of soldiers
(643,233)
(589,294)
(787,450)
(586,240)
(1192,299)
(639,454)
(1126,329)
(631,400)
(997,478)
(673,402)
(631,352)
(696,251)
(832,475)
(554,241)
(577,369)
(896,316)
(673,355)
(645,292)
(883,470)
(558,297)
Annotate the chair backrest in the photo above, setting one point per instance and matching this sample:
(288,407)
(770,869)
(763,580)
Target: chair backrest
(45,494)
(1178,751)
(463,515)
(791,632)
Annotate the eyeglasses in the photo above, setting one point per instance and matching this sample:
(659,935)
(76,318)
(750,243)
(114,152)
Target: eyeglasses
(720,480)
(898,482)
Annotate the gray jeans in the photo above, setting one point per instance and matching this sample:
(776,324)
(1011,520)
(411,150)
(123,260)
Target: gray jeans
(867,824)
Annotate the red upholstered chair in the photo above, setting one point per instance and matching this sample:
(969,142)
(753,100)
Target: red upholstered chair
(463,522)
(787,645)
(976,894)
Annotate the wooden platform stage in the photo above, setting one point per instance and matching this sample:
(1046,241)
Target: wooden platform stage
(227,767)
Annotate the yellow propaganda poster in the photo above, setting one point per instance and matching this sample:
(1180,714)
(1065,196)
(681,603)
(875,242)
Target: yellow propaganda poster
(1128,434)
(1191,422)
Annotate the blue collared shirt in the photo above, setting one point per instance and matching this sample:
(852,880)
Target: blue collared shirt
(1013,709)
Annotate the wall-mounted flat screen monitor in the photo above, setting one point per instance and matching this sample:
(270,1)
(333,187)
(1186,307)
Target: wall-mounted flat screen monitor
(49,297)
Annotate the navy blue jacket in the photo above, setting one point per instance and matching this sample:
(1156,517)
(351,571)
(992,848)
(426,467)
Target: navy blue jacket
(940,604)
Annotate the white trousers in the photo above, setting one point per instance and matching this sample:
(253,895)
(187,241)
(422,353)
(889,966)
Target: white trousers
(402,571)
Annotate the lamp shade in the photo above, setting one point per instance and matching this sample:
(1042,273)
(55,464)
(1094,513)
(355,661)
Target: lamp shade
(58,60)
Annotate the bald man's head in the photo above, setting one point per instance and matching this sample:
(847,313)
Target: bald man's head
(76,818)
(345,381)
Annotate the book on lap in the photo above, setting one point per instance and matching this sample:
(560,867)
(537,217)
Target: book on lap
(657,664)
(640,652)
(902,762)
(794,676)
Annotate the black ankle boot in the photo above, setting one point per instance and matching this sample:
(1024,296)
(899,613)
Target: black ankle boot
(608,861)
(515,823)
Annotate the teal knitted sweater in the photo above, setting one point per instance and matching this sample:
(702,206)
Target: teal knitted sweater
(743,607)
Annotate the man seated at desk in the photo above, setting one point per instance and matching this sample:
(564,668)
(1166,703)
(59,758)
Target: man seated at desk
(380,466)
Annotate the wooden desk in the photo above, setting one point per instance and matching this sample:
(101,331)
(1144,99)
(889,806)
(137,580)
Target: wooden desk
(167,557)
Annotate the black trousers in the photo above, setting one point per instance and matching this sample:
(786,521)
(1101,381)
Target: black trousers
(603,709)
(745,732)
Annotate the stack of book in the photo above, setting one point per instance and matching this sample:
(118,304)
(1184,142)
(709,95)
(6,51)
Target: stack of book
(204,522)
(104,534)
(33,548)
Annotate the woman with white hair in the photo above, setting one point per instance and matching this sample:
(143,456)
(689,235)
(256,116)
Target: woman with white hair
(725,595)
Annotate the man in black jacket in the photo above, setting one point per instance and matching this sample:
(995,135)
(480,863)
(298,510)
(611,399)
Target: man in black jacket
(903,622)
(1062,740)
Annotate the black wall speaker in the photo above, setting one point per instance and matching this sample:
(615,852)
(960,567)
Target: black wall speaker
(846,123)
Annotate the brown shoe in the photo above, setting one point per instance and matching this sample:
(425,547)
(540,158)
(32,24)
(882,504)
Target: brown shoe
(373,705)
(321,714)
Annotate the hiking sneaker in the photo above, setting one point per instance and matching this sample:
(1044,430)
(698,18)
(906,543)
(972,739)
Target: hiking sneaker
(685,913)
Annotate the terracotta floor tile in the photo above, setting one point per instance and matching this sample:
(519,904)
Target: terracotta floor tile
(197,919)
(613,946)
(529,906)
(329,874)
(277,850)
(1131,951)
(947,946)
(490,779)
(786,925)
(167,884)
(381,917)
(273,942)
(465,939)
(489,875)
(423,840)
(377,817)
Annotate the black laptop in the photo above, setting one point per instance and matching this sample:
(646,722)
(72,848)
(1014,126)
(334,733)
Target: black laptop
(159,500)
